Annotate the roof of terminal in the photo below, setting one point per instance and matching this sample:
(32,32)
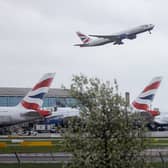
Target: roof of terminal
(12,91)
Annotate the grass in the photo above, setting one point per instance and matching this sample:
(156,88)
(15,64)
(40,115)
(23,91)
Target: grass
(58,165)
(158,142)
(28,165)
(159,165)
(21,149)
(11,148)
(58,146)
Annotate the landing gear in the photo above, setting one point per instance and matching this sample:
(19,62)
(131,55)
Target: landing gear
(118,42)
(150,32)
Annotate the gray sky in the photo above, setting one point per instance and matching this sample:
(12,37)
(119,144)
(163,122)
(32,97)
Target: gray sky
(37,36)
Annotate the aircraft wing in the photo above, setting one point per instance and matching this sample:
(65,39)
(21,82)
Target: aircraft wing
(112,37)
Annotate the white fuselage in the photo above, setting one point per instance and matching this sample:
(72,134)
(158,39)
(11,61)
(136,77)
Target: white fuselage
(14,115)
(29,108)
(161,119)
(118,37)
(65,112)
(100,41)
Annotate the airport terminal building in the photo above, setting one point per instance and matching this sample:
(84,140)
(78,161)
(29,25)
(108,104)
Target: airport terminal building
(10,96)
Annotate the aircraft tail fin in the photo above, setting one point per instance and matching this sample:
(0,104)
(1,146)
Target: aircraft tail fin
(146,97)
(84,38)
(34,98)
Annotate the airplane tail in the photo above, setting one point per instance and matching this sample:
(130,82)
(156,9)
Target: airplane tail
(146,97)
(85,39)
(34,99)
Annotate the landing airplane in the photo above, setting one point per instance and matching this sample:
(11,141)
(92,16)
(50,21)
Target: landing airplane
(30,106)
(116,38)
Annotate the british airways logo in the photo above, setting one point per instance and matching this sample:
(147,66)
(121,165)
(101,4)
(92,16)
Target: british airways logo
(144,100)
(34,99)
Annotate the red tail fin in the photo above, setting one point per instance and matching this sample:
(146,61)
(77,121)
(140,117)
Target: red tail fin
(85,39)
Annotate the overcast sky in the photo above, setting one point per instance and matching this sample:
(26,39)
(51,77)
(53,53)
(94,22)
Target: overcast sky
(37,36)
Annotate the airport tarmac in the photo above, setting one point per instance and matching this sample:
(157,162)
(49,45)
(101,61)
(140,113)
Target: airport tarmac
(44,136)
(157,134)
(39,137)
(35,158)
(151,155)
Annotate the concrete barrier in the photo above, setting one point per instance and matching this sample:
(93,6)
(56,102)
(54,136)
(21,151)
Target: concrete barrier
(17,140)
(3,145)
(36,143)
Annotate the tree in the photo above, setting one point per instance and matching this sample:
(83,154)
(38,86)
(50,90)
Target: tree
(104,136)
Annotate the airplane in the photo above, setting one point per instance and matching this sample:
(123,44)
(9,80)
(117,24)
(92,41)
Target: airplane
(29,107)
(61,114)
(156,120)
(161,120)
(116,38)
(144,101)
(141,104)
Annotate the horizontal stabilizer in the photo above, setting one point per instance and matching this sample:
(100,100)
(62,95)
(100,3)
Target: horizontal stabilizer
(77,44)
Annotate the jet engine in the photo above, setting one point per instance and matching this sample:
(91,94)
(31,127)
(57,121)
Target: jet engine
(131,37)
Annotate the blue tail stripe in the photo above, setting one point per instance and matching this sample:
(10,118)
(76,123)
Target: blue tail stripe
(38,96)
(150,97)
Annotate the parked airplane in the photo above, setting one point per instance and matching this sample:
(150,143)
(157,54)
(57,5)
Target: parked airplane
(142,103)
(115,38)
(160,121)
(144,100)
(60,114)
(30,106)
